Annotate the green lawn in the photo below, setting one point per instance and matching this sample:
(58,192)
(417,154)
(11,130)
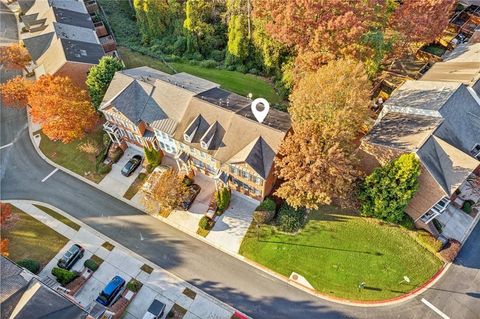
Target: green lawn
(30,239)
(230,80)
(59,217)
(69,156)
(335,252)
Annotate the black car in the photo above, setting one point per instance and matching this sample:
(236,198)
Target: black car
(131,165)
(192,192)
(155,311)
(71,256)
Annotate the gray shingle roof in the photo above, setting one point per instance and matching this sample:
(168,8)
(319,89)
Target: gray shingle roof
(84,52)
(403,131)
(422,95)
(78,19)
(258,155)
(38,45)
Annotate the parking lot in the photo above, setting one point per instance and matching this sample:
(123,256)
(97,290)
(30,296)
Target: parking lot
(118,261)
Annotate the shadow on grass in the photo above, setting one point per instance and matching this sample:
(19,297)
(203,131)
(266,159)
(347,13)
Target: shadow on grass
(323,247)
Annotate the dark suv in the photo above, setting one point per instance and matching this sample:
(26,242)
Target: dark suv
(71,256)
(111,291)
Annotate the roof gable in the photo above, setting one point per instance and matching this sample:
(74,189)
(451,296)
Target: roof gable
(258,155)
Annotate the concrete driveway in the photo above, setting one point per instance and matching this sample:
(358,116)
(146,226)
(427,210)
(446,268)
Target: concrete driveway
(232,226)
(114,181)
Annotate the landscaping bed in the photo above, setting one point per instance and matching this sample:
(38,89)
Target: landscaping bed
(336,251)
(31,239)
(135,186)
(72,157)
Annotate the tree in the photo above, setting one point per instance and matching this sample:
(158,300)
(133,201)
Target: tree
(15,92)
(5,212)
(387,191)
(238,36)
(100,76)
(334,100)
(14,56)
(420,21)
(4,243)
(61,108)
(316,31)
(314,170)
(165,191)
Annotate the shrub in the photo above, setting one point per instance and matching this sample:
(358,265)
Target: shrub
(451,250)
(154,157)
(208,64)
(91,264)
(263,216)
(134,285)
(217,55)
(88,147)
(103,168)
(241,68)
(268,204)
(31,265)
(387,191)
(187,181)
(290,219)
(64,276)
(428,241)
(254,71)
(467,207)
(407,222)
(222,197)
(205,223)
(149,168)
(193,62)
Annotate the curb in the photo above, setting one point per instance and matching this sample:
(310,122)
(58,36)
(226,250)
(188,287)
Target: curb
(366,304)
(130,253)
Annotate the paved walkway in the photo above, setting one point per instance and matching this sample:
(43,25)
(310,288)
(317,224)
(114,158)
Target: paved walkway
(160,284)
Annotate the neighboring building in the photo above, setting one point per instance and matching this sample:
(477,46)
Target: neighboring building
(24,296)
(440,123)
(61,38)
(205,128)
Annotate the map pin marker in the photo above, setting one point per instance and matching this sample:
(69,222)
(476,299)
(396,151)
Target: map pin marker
(260,115)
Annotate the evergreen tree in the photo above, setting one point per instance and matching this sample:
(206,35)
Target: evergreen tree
(100,76)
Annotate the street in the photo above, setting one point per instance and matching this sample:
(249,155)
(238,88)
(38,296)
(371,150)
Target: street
(244,287)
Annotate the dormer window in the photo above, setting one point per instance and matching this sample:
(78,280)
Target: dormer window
(207,138)
(476,151)
(191,129)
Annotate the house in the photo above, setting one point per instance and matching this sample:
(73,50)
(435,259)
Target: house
(204,128)
(61,38)
(24,296)
(440,122)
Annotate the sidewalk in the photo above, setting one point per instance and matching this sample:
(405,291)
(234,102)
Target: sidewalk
(160,284)
(135,202)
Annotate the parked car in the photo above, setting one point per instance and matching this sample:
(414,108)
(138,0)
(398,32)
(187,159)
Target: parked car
(131,165)
(71,256)
(192,192)
(111,291)
(155,311)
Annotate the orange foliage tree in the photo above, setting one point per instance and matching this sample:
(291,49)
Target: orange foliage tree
(5,212)
(14,93)
(63,110)
(4,247)
(14,56)
(421,21)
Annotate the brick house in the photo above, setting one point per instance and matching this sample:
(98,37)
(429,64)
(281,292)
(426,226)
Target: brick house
(61,38)
(204,128)
(440,123)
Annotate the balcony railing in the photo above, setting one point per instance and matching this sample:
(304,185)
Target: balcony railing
(110,127)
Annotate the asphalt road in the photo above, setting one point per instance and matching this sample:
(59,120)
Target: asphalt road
(246,288)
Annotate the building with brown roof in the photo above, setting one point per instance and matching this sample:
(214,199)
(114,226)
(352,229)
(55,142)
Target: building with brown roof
(61,38)
(205,128)
(440,123)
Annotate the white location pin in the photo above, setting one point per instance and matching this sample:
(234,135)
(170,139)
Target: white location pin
(260,115)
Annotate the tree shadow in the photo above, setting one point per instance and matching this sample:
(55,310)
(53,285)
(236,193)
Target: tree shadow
(323,247)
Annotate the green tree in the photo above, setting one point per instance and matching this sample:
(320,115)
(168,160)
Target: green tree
(238,33)
(100,76)
(387,191)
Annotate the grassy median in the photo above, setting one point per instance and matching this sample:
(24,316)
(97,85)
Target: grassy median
(336,251)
